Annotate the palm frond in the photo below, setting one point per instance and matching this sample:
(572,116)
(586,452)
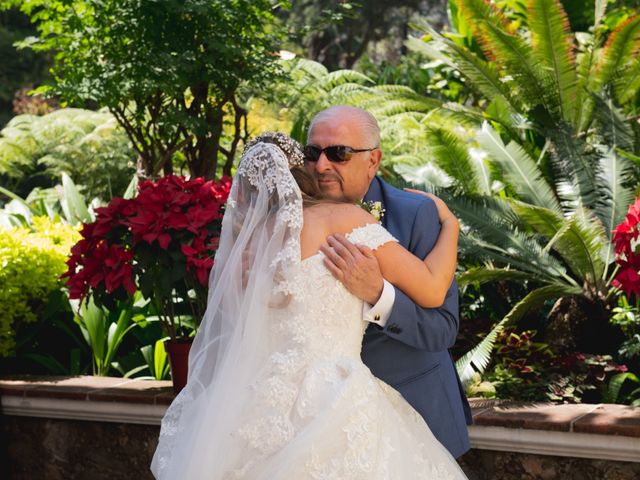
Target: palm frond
(627,84)
(581,243)
(451,155)
(520,169)
(616,193)
(600,10)
(486,274)
(478,358)
(622,46)
(483,76)
(614,126)
(553,47)
(575,164)
(545,221)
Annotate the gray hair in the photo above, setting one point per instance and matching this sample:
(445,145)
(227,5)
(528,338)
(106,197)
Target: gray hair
(366,121)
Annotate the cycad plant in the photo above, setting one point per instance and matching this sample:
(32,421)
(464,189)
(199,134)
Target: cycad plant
(541,166)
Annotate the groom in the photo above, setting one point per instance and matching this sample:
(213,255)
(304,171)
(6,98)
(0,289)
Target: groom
(405,345)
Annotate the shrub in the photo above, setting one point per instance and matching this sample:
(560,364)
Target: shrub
(31,261)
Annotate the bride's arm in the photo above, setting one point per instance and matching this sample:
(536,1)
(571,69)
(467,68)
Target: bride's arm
(425,281)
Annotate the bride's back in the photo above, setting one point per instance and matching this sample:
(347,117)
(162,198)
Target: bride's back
(326,218)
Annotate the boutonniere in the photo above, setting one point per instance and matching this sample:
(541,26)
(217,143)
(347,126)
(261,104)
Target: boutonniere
(374,208)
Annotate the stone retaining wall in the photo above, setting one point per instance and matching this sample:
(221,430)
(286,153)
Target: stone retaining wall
(94,428)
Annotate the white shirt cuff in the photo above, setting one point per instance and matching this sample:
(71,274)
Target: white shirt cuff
(381,311)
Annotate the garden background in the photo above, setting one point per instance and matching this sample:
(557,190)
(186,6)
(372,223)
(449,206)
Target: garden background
(121,122)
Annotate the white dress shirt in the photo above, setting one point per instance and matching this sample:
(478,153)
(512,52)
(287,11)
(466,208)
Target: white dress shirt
(381,311)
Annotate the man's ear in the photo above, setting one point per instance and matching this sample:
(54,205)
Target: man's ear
(375,159)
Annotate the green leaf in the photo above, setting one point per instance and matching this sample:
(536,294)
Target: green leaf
(451,155)
(76,207)
(520,169)
(553,48)
(622,47)
(490,274)
(581,243)
(612,392)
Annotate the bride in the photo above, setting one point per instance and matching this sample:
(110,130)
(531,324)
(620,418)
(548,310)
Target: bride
(277,389)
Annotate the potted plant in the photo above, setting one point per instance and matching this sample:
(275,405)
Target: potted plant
(161,242)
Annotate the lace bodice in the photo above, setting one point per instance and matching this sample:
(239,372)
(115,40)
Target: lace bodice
(323,319)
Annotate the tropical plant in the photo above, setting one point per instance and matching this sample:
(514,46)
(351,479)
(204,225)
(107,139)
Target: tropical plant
(103,331)
(172,73)
(623,388)
(540,167)
(161,242)
(63,202)
(32,259)
(88,146)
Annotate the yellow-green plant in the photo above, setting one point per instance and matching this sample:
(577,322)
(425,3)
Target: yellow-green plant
(31,262)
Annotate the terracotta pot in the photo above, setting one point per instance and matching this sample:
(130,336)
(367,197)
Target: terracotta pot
(178,352)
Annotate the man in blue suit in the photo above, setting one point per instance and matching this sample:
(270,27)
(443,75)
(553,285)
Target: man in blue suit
(405,345)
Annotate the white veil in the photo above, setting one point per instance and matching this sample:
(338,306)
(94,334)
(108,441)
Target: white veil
(251,279)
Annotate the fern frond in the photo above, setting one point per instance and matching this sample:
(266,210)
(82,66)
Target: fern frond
(340,77)
(553,47)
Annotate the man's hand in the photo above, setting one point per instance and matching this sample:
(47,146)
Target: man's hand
(355,266)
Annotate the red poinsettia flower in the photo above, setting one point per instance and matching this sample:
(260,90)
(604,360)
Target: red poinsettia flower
(162,241)
(626,239)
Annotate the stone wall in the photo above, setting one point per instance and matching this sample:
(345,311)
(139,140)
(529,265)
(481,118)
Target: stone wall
(107,428)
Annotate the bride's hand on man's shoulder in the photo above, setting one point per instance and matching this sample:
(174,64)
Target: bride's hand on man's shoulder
(444,214)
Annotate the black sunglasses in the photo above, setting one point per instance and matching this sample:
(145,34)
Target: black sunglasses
(335,153)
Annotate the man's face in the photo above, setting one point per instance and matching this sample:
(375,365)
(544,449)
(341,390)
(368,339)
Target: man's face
(348,181)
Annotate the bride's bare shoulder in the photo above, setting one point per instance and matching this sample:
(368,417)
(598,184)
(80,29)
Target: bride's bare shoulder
(341,217)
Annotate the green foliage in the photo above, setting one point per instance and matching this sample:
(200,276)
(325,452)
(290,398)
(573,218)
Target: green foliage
(545,150)
(32,260)
(61,203)
(627,317)
(171,72)
(157,360)
(338,34)
(89,146)
(617,391)
(104,332)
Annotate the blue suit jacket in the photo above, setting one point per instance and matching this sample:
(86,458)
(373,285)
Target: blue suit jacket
(411,352)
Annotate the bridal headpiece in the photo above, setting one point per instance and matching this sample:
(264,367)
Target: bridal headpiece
(291,148)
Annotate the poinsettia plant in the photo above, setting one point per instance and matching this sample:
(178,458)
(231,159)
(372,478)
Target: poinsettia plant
(162,242)
(627,247)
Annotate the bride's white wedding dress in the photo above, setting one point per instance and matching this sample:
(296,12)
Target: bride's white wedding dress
(316,411)
(277,389)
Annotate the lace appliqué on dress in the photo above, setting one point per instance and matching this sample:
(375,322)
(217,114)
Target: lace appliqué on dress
(372,235)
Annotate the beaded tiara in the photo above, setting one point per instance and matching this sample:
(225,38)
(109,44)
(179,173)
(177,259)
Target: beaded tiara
(291,148)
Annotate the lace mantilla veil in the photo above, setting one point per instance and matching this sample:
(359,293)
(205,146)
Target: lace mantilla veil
(251,280)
